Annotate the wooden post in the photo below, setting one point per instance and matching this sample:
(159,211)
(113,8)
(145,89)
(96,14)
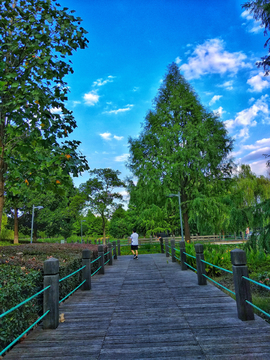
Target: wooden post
(86,272)
(101,260)
(51,296)
(119,247)
(172,250)
(200,264)
(167,247)
(182,255)
(114,250)
(241,286)
(109,247)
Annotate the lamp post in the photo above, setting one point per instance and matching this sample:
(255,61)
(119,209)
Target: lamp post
(32,225)
(179,199)
(81,229)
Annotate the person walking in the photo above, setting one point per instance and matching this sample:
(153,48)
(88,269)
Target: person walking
(247,232)
(134,244)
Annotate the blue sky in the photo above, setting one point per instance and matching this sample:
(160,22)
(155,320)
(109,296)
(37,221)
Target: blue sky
(131,43)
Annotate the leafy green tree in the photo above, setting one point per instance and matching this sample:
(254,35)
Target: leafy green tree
(182,146)
(100,195)
(118,224)
(36,39)
(60,211)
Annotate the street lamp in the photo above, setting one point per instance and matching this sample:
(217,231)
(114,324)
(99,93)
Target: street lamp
(81,229)
(32,225)
(179,199)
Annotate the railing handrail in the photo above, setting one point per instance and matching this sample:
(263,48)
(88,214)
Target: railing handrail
(24,302)
(66,277)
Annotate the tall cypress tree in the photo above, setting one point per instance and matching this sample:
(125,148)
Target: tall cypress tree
(182,145)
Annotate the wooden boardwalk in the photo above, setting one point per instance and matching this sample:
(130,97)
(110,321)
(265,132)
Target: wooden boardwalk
(148,309)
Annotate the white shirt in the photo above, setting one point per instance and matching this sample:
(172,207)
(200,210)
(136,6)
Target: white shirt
(134,239)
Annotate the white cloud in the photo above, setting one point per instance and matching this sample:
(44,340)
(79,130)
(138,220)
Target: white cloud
(211,58)
(257,83)
(178,60)
(91,98)
(121,158)
(249,117)
(75,103)
(220,111)
(259,167)
(227,85)
(256,154)
(246,15)
(251,100)
(253,26)
(101,82)
(263,142)
(214,99)
(135,88)
(127,108)
(243,134)
(106,136)
(229,124)
(118,137)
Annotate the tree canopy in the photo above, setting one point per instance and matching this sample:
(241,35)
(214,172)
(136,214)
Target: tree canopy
(100,194)
(182,147)
(36,39)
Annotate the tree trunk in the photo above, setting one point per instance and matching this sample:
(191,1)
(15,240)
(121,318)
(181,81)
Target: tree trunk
(186,227)
(16,226)
(103,229)
(185,216)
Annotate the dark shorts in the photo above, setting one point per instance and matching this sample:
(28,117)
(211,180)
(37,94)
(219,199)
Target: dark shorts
(134,247)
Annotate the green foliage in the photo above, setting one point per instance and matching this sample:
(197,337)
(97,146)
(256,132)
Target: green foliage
(5,232)
(182,147)
(16,285)
(100,195)
(36,37)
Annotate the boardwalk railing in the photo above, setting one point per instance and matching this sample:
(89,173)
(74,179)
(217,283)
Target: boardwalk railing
(239,271)
(51,283)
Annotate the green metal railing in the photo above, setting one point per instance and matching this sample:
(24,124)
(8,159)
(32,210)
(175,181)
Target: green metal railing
(30,327)
(66,277)
(262,285)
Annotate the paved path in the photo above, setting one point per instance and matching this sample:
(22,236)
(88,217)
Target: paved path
(148,309)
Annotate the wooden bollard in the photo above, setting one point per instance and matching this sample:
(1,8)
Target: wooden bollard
(119,247)
(114,250)
(200,264)
(51,295)
(241,286)
(172,250)
(109,247)
(167,247)
(101,260)
(86,272)
(183,256)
